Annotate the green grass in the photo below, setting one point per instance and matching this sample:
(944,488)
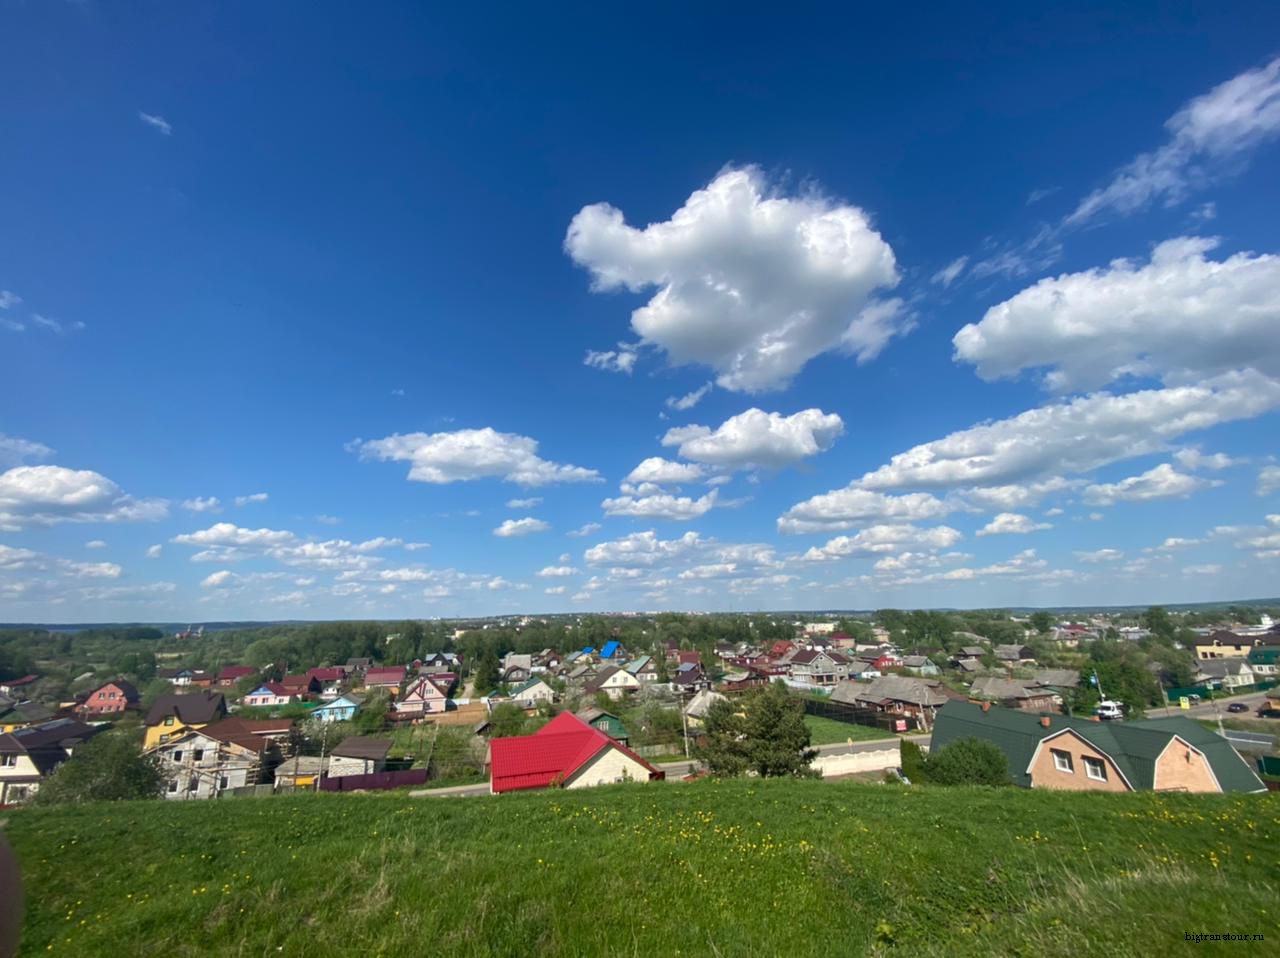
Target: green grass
(825,731)
(730,868)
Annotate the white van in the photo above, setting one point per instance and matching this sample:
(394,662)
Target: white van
(1109,711)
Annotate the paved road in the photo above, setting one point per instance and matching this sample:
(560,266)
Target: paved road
(1212,709)
(677,770)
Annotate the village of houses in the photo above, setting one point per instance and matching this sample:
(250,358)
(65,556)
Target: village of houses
(214,735)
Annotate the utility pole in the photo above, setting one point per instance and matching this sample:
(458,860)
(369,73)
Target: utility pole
(324,740)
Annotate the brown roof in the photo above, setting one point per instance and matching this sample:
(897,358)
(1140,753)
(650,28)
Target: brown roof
(196,708)
(363,746)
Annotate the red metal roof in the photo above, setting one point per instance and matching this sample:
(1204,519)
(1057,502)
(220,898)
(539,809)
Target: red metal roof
(551,755)
(334,674)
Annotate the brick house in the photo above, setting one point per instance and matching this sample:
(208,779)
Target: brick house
(110,699)
(1057,752)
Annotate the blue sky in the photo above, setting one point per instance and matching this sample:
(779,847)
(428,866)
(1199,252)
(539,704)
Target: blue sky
(490,311)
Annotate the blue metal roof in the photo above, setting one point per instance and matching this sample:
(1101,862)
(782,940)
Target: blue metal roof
(587,650)
(609,649)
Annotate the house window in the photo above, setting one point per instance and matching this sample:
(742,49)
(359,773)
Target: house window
(173,785)
(198,755)
(222,781)
(1095,768)
(193,783)
(168,720)
(177,756)
(8,761)
(1062,761)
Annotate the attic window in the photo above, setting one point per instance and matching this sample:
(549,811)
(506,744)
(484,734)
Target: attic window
(1062,761)
(1095,768)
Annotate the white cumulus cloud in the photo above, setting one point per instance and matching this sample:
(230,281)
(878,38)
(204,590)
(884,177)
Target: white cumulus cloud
(465,454)
(758,439)
(660,506)
(749,282)
(202,504)
(1162,482)
(521,527)
(1179,317)
(1012,523)
(851,506)
(46,495)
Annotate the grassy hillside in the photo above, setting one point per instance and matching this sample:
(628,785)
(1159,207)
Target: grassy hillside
(736,868)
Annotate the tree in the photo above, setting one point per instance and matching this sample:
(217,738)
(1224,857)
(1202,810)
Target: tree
(967,761)
(1159,623)
(767,735)
(487,675)
(1041,621)
(507,720)
(108,768)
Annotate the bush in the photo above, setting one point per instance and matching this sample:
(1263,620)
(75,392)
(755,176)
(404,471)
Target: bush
(912,761)
(967,761)
(108,768)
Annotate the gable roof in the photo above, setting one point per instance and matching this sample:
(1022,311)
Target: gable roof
(603,676)
(197,708)
(638,665)
(528,684)
(385,673)
(233,673)
(344,701)
(897,688)
(551,755)
(128,689)
(1058,678)
(609,649)
(1132,746)
(995,687)
(363,746)
(275,688)
(60,733)
(702,702)
(328,674)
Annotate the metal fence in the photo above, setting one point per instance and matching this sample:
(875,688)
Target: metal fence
(377,780)
(855,715)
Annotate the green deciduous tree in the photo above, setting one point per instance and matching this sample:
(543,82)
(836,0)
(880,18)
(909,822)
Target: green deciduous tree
(107,768)
(967,761)
(763,732)
(1042,621)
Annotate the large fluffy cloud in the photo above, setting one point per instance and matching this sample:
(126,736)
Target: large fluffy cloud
(749,282)
(444,457)
(757,438)
(1081,434)
(1180,317)
(1209,133)
(45,495)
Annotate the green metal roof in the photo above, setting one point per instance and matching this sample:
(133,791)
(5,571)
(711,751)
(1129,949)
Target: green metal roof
(1133,746)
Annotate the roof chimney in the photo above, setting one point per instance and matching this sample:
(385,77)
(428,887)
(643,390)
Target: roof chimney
(986,706)
(1045,721)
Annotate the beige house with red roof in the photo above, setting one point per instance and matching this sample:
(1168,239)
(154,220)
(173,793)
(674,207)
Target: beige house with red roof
(564,753)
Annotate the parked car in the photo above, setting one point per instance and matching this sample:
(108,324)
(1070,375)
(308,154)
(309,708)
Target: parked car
(1237,707)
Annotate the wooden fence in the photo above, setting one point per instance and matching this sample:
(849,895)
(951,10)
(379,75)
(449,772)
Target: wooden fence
(376,781)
